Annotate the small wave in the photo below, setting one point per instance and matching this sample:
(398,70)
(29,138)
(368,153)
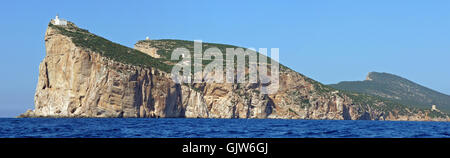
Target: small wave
(311,133)
(446,133)
(421,135)
(331,132)
(235,132)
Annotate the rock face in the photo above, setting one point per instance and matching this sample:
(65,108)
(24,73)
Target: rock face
(77,81)
(147,50)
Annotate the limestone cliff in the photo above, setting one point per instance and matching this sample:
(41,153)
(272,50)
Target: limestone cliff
(84,75)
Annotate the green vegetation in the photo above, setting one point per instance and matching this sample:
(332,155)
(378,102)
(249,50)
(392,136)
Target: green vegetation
(292,111)
(167,46)
(436,114)
(319,87)
(377,103)
(114,51)
(305,101)
(83,38)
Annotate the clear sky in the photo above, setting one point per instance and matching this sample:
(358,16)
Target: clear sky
(329,41)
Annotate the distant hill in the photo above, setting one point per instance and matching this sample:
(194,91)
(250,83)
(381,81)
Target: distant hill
(398,89)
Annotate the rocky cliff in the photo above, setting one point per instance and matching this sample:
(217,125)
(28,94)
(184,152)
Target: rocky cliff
(84,75)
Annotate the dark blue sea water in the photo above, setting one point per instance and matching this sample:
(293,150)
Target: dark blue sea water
(218,128)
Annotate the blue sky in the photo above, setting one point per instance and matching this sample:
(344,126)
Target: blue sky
(329,41)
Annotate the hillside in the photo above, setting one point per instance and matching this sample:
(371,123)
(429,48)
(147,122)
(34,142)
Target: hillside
(398,89)
(85,75)
(83,38)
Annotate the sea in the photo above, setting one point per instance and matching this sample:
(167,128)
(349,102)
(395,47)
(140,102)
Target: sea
(216,128)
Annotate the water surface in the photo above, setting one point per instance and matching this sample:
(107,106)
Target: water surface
(217,128)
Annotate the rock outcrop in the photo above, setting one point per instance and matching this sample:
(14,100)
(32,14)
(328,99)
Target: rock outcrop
(77,79)
(152,51)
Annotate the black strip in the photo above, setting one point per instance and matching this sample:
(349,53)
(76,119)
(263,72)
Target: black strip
(172,147)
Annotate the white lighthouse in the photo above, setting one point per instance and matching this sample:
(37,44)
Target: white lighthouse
(58,21)
(433,108)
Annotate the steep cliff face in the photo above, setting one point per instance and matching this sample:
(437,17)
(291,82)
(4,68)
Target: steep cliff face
(81,77)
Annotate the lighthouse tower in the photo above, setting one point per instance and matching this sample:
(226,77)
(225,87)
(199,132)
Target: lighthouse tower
(58,21)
